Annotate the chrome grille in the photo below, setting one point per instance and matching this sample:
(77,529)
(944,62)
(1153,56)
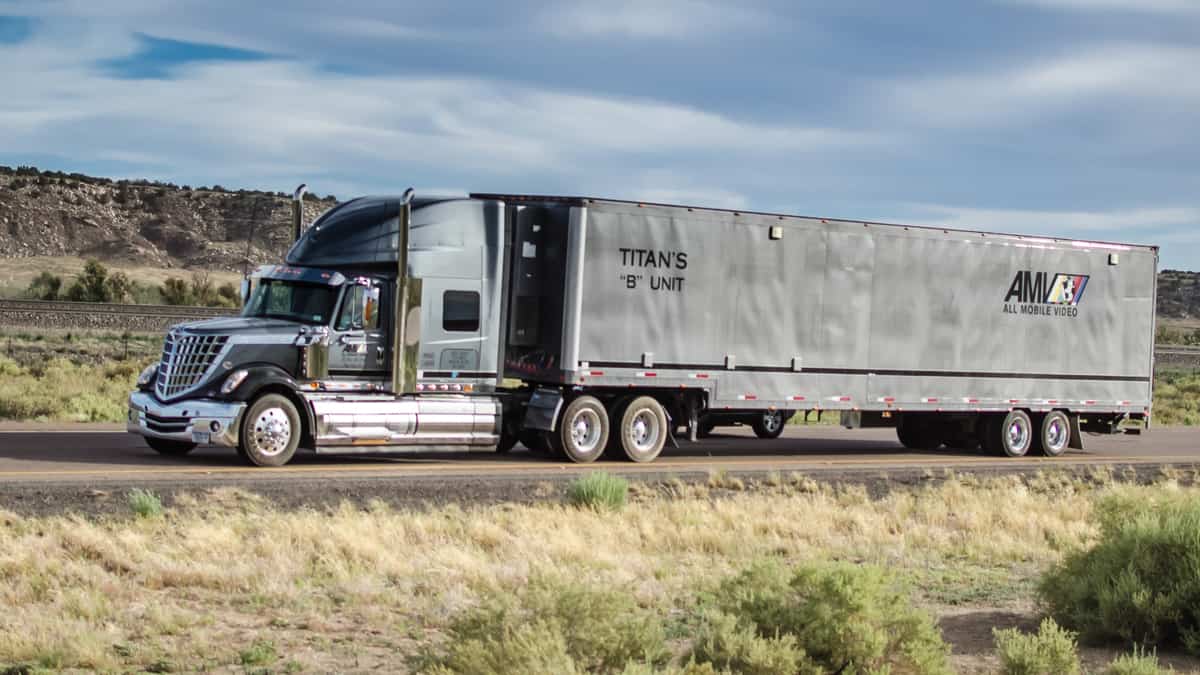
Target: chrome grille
(186,359)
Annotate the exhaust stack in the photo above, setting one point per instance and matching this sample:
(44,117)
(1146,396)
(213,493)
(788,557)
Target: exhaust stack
(298,211)
(408,298)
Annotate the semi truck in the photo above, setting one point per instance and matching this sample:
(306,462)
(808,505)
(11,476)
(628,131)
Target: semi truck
(581,327)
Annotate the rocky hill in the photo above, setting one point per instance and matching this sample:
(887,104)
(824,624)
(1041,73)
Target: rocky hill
(153,224)
(1179,294)
(147,223)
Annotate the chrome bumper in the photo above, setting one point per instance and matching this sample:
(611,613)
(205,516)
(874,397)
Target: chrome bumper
(199,421)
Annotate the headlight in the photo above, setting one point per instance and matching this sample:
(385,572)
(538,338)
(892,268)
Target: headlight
(147,376)
(235,378)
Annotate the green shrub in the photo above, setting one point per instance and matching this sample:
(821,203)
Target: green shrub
(1140,583)
(846,618)
(144,504)
(728,645)
(1050,651)
(599,491)
(552,626)
(261,653)
(1137,663)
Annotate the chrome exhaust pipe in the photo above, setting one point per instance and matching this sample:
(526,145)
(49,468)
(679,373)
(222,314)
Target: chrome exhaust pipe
(298,211)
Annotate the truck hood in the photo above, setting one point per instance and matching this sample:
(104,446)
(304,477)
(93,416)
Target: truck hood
(242,325)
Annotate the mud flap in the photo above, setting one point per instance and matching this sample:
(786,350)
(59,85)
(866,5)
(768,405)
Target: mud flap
(542,412)
(1076,442)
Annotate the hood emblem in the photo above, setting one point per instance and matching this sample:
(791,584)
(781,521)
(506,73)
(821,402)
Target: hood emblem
(228,365)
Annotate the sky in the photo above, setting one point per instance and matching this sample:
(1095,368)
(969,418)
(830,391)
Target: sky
(1072,118)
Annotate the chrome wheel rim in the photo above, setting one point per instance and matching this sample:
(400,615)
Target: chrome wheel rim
(272,432)
(585,431)
(1018,435)
(1056,435)
(644,430)
(771,421)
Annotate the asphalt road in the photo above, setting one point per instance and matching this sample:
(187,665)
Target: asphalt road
(106,455)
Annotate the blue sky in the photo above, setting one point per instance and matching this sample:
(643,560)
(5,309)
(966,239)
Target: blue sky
(1074,118)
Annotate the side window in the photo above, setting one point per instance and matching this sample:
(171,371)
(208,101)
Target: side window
(460,311)
(360,311)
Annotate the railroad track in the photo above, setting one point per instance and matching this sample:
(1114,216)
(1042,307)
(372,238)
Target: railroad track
(92,308)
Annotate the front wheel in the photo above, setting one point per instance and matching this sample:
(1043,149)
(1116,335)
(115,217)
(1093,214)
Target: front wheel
(270,431)
(165,446)
(769,424)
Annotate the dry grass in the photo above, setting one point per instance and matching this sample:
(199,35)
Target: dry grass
(219,580)
(18,272)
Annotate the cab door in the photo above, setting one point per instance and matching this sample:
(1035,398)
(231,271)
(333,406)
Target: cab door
(359,342)
(453,337)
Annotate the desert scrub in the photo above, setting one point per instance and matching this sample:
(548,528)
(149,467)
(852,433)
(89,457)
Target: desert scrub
(62,391)
(1140,582)
(551,626)
(186,588)
(818,618)
(598,490)
(1050,651)
(1177,398)
(1140,662)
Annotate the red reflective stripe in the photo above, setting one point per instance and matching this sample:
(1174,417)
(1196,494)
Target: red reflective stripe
(596,373)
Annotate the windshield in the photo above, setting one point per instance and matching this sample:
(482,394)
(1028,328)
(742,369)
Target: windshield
(306,303)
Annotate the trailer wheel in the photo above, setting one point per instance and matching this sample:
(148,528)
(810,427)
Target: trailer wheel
(583,431)
(915,435)
(769,424)
(1054,433)
(270,431)
(165,446)
(643,429)
(1010,435)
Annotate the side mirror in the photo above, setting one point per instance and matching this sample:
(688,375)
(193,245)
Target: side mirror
(245,290)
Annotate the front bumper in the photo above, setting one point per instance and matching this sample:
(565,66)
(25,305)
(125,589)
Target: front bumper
(200,421)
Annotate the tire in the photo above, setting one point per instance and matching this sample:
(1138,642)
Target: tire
(916,435)
(270,431)
(1054,433)
(536,441)
(1010,435)
(583,430)
(643,429)
(770,424)
(506,443)
(164,446)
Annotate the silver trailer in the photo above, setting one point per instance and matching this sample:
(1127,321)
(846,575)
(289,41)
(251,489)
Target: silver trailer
(581,325)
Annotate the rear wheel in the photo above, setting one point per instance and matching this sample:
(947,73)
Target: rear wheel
(1054,433)
(769,424)
(270,431)
(165,446)
(643,429)
(583,431)
(1010,435)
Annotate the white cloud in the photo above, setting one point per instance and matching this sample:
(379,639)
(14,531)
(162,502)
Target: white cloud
(1086,224)
(234,120)
(1129,73)
(672,19)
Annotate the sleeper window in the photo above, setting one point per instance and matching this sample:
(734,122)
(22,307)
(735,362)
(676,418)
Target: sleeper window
(460,312)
